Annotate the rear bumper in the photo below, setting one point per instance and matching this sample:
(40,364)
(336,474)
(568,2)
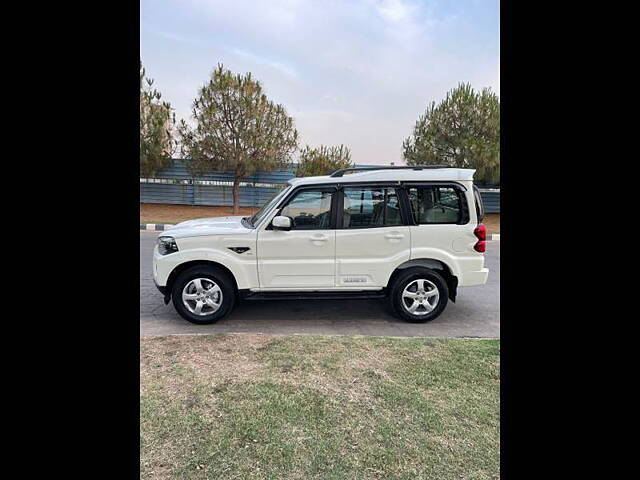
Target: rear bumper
(478,277)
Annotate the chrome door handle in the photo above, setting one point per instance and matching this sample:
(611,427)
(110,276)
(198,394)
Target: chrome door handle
(319,238)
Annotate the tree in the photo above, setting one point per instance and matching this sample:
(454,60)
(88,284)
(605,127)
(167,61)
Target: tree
(323,160)
(462,131)
(237,130)
(156,128)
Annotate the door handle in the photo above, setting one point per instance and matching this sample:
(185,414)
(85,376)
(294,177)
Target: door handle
(318,240)
(394,236)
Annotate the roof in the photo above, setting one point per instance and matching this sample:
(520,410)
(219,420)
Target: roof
(406,175)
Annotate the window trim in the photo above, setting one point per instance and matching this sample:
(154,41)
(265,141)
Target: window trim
(340,206)
(462,199)
(303,188)
(337,203)
(479,204)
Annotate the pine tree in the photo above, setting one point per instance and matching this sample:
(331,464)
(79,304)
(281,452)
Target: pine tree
(323,160)
(237,129)
(462,131)
(156,129)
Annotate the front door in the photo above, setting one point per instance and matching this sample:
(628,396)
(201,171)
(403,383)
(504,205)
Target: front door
(303,257)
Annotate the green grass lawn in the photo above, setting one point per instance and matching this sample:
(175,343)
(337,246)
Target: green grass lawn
(300,407)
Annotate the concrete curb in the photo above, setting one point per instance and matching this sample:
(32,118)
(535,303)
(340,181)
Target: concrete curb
(155,226)
(163,226)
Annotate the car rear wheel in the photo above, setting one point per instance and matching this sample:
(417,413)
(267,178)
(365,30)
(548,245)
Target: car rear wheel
(203,294)
(419,295)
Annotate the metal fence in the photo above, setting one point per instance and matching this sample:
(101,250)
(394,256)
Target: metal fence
(490,199)
(175,185)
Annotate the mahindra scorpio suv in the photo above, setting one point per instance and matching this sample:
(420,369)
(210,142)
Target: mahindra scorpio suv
(410,234)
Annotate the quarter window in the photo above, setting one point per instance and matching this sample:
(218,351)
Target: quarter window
(370,207)
(309,210)
(435,204)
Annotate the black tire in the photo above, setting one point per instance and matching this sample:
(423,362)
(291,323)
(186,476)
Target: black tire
(214,274)
(406,278)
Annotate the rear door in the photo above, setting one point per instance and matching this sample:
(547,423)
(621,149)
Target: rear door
(372,237)
(441,221)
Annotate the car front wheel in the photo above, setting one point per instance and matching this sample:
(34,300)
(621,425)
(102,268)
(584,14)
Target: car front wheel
(203,294)
(419,295)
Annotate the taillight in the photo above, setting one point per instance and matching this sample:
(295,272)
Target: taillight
(480,246)
(481,234)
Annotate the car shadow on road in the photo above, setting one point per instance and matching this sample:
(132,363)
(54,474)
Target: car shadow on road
(312,311)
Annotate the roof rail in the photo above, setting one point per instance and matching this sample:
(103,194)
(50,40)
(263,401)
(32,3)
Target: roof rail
(341,172)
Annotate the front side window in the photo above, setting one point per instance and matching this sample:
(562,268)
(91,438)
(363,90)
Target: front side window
(368,207)
(433,204)
(309,210)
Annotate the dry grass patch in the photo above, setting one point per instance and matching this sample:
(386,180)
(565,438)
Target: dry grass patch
(177,365)
(335,366)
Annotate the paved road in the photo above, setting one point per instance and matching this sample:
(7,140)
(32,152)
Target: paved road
(476,312)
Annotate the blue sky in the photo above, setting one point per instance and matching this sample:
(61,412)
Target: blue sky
(356,72)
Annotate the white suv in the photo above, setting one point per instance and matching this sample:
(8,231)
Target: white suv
(412,234)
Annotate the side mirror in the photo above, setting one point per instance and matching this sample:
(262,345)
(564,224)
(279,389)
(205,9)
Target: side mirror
(281,223)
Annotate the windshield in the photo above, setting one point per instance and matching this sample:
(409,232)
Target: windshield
(255,219)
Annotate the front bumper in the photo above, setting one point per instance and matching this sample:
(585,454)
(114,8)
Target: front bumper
(159,268)
(162,290)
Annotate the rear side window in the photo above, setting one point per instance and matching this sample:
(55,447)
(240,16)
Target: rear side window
(434,204)
(368,207)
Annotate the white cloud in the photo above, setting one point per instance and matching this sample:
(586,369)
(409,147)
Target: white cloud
(394,10)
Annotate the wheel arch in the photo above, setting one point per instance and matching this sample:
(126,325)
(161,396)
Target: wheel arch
(432,264)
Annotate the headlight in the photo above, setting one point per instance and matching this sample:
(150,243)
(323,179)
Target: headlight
(167,245)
